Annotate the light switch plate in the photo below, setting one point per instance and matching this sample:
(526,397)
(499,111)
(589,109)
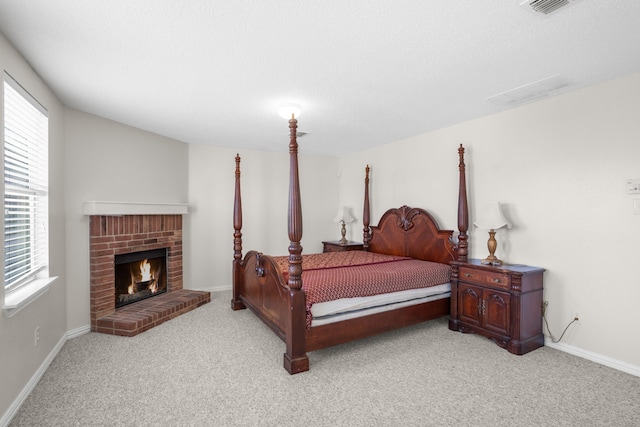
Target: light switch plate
(633,186)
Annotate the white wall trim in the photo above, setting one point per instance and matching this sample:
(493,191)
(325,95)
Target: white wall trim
(16,300)
(26,391)
(78,331)
(213,289)
(132,208)
(595,357)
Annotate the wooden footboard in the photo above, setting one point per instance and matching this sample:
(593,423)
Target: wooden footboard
(261,287)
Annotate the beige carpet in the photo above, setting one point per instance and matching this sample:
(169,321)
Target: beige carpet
(217,367)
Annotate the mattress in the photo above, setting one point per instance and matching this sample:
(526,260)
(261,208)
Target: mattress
(348,308)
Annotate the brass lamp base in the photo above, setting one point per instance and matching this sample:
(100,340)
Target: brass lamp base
(343,231)
(492,244)
(491,261)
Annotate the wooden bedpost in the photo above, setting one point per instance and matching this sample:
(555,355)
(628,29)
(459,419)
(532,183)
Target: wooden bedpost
(295,359)
(366,214)
(236,304)
(463,210)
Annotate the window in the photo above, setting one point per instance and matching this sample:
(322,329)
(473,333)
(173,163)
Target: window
(26,246)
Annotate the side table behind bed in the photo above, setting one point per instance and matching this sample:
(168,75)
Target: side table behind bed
(336,246)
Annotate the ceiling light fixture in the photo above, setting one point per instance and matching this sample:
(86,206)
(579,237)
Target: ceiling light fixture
(289,110)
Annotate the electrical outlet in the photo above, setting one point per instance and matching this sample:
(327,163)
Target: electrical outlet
(36,336)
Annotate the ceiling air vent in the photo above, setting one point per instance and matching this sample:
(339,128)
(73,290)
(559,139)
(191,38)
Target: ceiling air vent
(547,6)
(531,91)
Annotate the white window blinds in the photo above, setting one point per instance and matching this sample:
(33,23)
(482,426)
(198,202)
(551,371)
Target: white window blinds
(26,246)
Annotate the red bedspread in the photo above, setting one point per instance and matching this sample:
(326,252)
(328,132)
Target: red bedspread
(335,275)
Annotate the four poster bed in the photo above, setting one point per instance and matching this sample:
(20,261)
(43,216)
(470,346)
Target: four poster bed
(314,301)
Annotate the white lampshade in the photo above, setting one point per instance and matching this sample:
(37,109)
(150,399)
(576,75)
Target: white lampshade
(490,217)
(289,109)
(344,215)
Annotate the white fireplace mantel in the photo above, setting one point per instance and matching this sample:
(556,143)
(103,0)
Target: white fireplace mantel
(133,208)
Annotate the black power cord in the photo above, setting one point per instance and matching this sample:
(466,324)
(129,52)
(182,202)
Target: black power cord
(544,317)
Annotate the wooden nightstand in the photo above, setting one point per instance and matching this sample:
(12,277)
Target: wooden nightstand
(503,303)
(335,246)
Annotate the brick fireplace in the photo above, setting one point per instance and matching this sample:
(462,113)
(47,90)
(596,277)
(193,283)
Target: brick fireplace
(112,235)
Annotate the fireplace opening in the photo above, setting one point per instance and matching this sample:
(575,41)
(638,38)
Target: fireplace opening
(140,275)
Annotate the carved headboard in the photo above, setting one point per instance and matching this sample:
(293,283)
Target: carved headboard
(412,232)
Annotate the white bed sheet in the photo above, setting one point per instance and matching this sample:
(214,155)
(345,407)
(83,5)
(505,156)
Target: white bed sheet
(349,308)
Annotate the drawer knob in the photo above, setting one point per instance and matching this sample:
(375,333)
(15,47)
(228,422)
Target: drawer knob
(496,280)
(467,274)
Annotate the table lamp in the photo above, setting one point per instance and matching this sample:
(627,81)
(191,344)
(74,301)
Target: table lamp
(343,217)
(490,218)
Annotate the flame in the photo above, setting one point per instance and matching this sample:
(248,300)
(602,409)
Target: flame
(131,289)
(145,270)
(146,276)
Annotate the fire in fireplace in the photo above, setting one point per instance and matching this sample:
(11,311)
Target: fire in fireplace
(140,275)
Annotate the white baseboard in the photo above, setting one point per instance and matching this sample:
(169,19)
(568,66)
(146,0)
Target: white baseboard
(595,357)
(213,289)
(78,331)
(26,391)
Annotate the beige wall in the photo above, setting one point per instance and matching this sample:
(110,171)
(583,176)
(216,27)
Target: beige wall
(560,167)
(265,186)
(20,358)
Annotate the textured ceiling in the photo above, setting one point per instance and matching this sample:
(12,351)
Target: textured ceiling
(365,72)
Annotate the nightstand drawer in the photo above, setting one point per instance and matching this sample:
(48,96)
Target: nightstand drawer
(336,246)
(488,278)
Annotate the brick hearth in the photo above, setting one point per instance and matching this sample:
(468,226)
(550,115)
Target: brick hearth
(115,235)
(138,317)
